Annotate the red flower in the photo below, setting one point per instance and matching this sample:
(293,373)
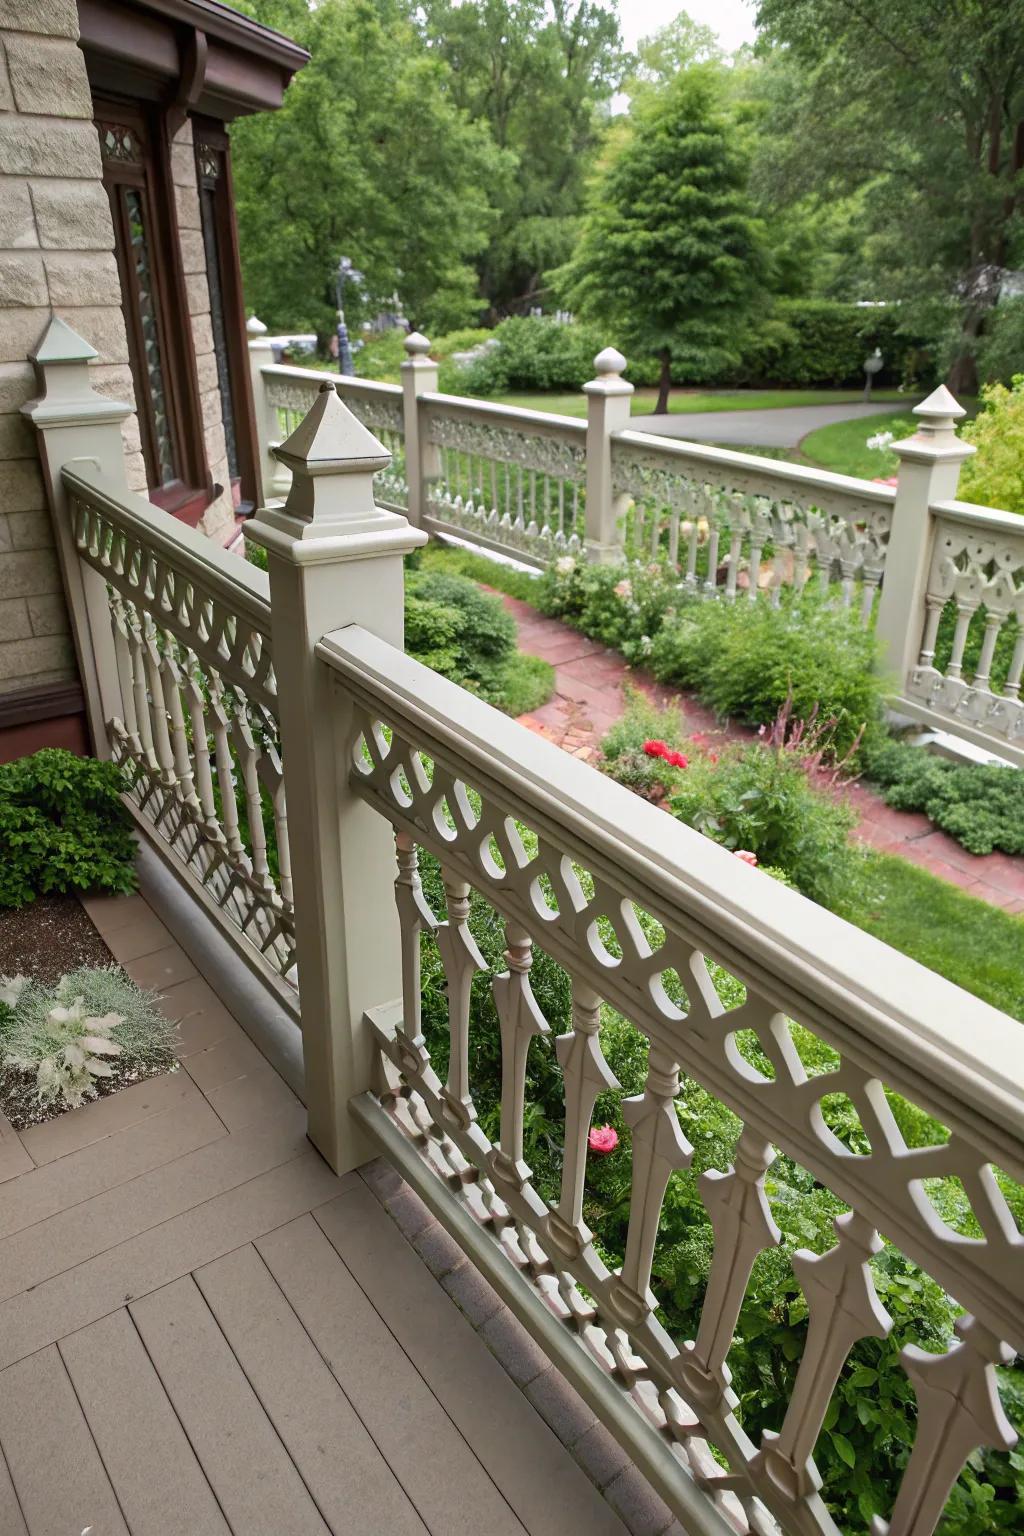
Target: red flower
(677,760)
(603,1139)
(655,749)
(712,757)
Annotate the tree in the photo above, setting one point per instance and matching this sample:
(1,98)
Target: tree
(671,257)
(541,77)
(370,158)
(918,104)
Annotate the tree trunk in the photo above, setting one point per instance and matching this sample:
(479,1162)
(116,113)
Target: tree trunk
(664,382)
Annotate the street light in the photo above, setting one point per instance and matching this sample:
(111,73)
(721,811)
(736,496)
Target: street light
(346,272)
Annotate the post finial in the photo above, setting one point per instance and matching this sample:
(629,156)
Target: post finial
(939,413)
(62,359)
(416,344)
(609,363)
(255,327)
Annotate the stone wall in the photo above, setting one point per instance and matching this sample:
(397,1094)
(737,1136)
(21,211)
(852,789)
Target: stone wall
(56,256)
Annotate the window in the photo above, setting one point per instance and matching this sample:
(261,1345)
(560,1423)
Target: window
(159,343)
(227,315)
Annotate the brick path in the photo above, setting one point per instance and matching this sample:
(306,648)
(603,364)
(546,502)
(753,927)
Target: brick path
(589,697)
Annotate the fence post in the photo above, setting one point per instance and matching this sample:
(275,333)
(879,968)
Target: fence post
(335,558)
(272,475)
(74,423)
(422,460)
(607,412)
(929,471)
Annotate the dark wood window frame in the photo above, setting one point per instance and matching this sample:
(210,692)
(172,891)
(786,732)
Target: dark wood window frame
(224,275)
(139,170)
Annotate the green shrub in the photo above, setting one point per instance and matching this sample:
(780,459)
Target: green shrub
(621,605)
(468,636)
(95,1024)
(1002,347)
(63,827)
(824,342)
(622,748)
(980,804)
(380,357)
(745,659)
(995,475)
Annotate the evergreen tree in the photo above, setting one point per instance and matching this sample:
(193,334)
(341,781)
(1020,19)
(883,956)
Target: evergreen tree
(672,258)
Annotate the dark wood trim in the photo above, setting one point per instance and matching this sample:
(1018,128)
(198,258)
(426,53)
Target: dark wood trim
(47,702)
(243,410)
(146,48)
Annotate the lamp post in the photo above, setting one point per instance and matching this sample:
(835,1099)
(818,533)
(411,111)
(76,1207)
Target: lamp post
(345,271)
(872,365)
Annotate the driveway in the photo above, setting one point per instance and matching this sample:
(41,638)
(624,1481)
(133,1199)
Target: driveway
(780,427)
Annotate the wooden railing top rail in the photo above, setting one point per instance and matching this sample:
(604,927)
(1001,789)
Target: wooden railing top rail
(242,587)
(799,479)
(545,422)
(955,1055)
(979,517)
(346,382)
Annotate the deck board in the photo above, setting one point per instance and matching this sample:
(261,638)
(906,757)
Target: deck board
(144,1448)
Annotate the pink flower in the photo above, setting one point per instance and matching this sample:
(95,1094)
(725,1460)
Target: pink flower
(623,590)
(603,1139)
(746,855)
(712,757)
(699,739)
(655,749)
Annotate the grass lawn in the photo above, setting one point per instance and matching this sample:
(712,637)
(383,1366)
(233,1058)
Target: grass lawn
(685,401)
(842,447)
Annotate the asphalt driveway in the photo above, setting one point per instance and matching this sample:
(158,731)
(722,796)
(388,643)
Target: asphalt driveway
(781,427)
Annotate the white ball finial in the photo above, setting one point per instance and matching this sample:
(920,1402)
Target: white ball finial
(416,344)
(609,363)
(255,327)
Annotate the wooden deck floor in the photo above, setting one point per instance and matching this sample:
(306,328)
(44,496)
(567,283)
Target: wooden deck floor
(203,1330)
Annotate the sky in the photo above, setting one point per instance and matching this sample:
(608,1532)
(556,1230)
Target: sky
(733,20)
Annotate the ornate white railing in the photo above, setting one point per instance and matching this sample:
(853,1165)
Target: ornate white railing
(733,522)
(512,480)
(975,583)
(290,392)
(668,930)
(196,723)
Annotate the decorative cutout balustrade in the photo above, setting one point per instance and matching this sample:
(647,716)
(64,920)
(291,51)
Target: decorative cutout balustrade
(729,979)
(291,392)
(972,650)
(509,479)
(732,523)
(196,730)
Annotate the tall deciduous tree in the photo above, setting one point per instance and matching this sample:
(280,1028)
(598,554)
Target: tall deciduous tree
(369,158)
(540,74)
(919,104)
(671,258)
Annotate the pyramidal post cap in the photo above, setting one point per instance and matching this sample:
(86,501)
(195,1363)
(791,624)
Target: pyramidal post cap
(940,406)
(609,363)
(416,344)
(330,438)
(60,344)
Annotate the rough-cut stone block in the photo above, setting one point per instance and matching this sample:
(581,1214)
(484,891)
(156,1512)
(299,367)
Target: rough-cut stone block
(20,329)
(21,486)
(52,18)
(48,76)
(17,438)
(102,328)
(17,221)
(36,146)
(183,164)
(519,1353)
(6,93)
(5,534)
(186,201)
(113,381)
(193,252)
(198,293)
(22,279)
(73,215)
(27,572)
(26,658)
(15,623)
(202,334)
(206,378)
(83,278)
(31,530)
(135,473)
(219,518)
(217,452)
(17,384)
(48,615)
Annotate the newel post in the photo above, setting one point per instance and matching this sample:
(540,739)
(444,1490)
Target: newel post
(273,476)
(335,558)
(422,460)
(607,412)
(74,423)
(929,471)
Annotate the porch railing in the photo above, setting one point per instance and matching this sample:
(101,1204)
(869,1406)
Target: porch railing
(880,1082)
(539,487)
